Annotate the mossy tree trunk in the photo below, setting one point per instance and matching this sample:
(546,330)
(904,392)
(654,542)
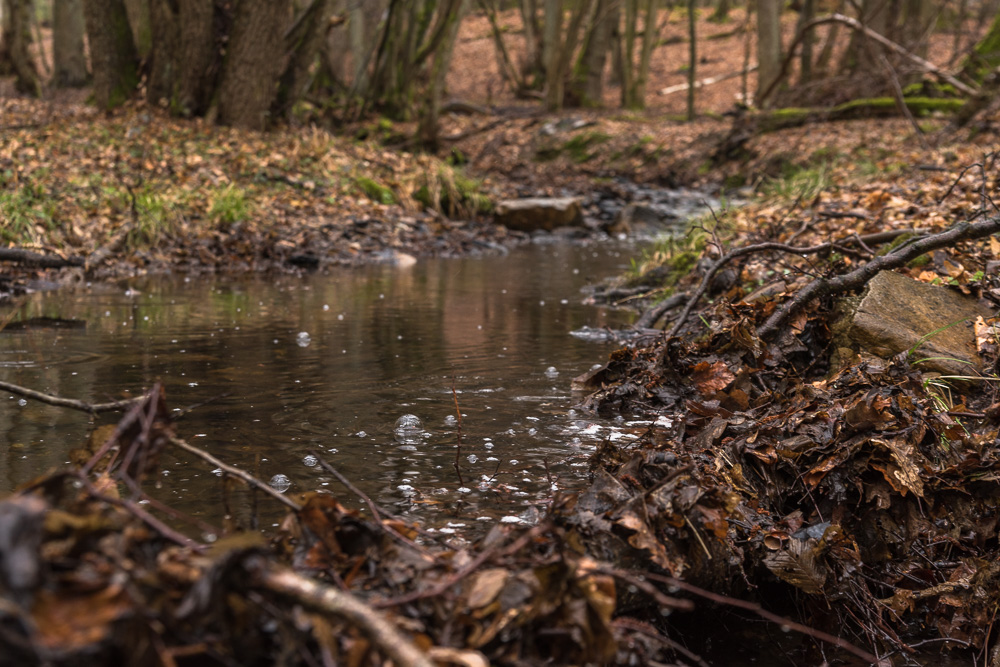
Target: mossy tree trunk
(113,59)
(254,61)
(985,57)
(69,57)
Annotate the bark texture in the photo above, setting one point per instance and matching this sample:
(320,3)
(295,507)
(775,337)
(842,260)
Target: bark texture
(18,39)
(185,60)
(768,44)
(253,62)
(70,68)
(113,58)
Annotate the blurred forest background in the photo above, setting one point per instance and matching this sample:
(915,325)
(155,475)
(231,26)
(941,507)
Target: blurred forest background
(256,63)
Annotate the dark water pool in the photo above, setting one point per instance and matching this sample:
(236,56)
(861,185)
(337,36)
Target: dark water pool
(330,363)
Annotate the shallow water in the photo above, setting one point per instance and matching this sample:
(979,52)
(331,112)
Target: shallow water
(328,363)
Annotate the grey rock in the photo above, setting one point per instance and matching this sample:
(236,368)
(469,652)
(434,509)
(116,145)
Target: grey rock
(528,215)
(896,313)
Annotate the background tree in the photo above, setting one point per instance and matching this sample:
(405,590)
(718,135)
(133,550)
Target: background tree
(68,56)
(113,58)
(17,37)
(768,46)
(253,62)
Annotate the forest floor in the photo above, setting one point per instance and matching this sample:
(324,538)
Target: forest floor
(853,506)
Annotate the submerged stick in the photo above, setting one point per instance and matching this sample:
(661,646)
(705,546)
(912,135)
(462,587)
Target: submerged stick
(236,472)
(72,403)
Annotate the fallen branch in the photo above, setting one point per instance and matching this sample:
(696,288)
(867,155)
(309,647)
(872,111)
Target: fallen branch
(72,403)
(963,231)
(650,317)
(669,90)
(29,258)
(326,600)
(236,472)
(871,34)
(879,237)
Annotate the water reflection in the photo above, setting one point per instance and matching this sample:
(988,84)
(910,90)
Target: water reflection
(329,364)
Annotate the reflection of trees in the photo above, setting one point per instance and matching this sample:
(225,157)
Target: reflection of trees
(436,320)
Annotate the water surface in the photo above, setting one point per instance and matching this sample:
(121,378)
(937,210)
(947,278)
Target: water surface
(329,363)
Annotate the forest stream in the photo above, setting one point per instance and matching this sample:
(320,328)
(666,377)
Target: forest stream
(280,368)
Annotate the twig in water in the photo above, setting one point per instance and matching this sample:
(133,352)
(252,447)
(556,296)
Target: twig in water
(72,403)
(377,511)
(458,444)
(236,472)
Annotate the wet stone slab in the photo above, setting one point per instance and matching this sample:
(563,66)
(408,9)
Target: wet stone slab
(896,313)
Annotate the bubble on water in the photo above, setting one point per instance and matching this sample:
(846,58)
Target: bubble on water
(361,434)
(552,372)
(326,307)
(280,483)
(303,339)
(217,472)
(450,420)
(408,422)
(408,491)
(488,445)
(473,458)
(464,489)
(340,317)
(532,431)
(514,462)
(22,402)
(310,460)
(408,429)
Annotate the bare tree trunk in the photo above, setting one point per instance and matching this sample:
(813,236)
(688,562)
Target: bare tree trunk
(184,60)
(70,61)
(140,18)
(533,62)
(6,67)
(692,53)
(863,55)
(768,45)
(253,63)
(112,53)
(428,127)
(587,86)
(304,42)
(807,14)
(18,41)
(561,57)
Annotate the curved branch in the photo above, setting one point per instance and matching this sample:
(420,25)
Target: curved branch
(326,600)
(963,231)
(868,32)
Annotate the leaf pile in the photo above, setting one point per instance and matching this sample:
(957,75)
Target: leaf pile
(165,194)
